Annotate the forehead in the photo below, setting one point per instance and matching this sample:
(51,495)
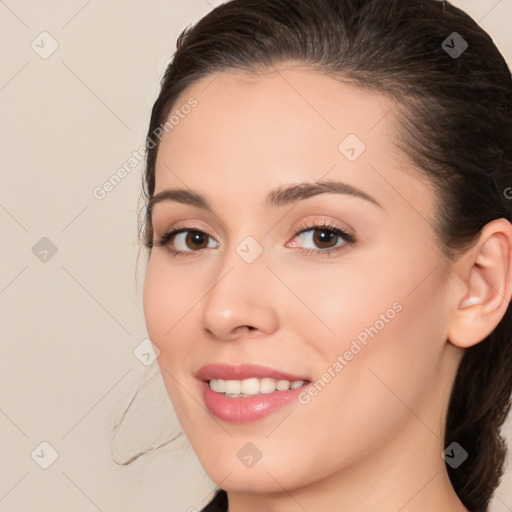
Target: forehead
(256,131)
(292,102)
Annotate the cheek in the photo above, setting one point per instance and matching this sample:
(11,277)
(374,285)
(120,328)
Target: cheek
(345,303)
(374,295)
(169,296)
(386,382)
(165,304)
(387,320)
(409,357)
(154,302)
(392,345)
(167,299)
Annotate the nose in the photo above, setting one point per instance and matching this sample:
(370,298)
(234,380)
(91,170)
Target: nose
(241,301)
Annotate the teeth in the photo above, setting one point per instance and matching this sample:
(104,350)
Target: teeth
(233,387)
(218,385)
(284,385)
(252,386)
(267,385)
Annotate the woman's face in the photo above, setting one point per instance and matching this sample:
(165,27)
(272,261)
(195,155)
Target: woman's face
(362,317)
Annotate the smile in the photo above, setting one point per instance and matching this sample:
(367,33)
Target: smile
(245,393)
(252,386)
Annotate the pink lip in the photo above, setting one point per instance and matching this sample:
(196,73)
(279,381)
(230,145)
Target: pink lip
(250,408)
(246,409)
(243,371)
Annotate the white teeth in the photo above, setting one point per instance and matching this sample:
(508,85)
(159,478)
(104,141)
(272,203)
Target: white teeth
(283,385)
(218,385)
(233,387)
(267,385)
(252,386)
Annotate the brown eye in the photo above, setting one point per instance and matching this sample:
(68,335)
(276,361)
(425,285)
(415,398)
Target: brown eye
(325,239)
(196,240)
(185,241)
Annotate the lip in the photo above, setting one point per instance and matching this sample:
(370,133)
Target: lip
(248,408)
(244,371)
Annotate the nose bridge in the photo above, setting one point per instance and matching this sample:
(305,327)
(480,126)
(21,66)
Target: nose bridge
(241,292)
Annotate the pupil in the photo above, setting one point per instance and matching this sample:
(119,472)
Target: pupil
(325,236)
(196,237)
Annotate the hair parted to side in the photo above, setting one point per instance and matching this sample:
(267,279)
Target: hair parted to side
(454,121)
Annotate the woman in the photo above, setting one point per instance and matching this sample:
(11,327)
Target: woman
(328,223)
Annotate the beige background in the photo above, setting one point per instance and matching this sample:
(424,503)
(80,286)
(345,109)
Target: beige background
(70,325)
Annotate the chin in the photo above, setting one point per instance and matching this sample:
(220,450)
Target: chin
(261,477)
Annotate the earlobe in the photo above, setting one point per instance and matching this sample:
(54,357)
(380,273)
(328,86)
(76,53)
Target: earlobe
(486,272)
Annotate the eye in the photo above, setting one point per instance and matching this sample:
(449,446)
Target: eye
(327,238)
(184,238)
(185,241)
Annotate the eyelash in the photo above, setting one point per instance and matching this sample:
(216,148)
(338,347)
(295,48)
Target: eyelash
(163,240)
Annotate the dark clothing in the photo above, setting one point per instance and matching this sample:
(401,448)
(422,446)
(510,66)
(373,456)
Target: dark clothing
(219,503)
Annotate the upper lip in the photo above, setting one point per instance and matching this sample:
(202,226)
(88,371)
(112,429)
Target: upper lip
(227,371)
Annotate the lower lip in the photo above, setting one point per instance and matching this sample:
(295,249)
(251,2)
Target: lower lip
(245,409)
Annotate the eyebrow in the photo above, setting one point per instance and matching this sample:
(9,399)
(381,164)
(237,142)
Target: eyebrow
(278,197)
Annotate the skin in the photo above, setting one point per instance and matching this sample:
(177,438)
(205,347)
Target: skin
(372,438)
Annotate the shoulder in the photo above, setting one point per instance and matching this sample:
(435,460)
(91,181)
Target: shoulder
(219,503)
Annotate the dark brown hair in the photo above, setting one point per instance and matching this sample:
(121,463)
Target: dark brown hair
(453,115)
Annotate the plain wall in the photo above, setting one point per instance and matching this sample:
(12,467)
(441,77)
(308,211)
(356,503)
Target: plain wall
(71,321)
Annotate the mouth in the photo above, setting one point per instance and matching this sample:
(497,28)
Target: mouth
(253,386)
(248,379)
(248,392)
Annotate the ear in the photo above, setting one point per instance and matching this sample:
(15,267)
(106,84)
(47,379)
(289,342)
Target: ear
(484,273)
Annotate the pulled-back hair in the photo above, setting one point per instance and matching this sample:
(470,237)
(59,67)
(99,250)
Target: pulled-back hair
(454,119)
